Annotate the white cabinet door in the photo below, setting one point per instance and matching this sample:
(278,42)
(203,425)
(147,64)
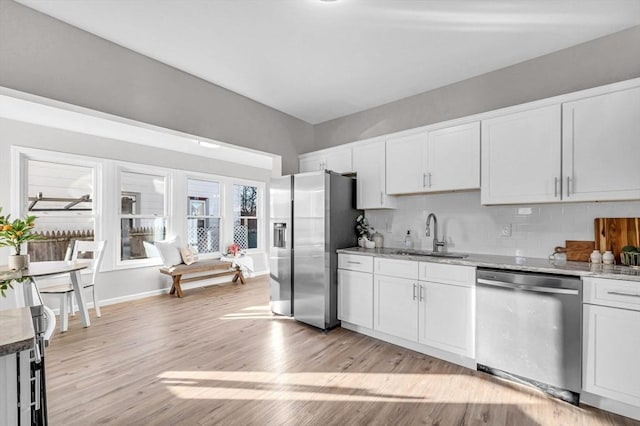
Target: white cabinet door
(355,297)
(453,158)
(396,307)
(521,157)
(311,163)
(338,160)
(601,147)
(611,353)
(446,317)
(406,163)
(369,164)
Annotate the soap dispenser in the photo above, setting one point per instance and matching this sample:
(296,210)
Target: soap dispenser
(408,241)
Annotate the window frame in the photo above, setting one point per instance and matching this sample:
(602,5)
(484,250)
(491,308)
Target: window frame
(220,180)
(167,175)
(260,212)
(20,157)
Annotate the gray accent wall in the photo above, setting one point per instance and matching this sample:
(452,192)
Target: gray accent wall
(47,57)
(602,61)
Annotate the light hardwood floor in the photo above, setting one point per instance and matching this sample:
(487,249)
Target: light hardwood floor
(218,356)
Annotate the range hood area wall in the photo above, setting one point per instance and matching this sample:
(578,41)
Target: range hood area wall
(468,226)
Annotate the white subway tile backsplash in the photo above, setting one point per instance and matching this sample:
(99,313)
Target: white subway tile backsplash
(470,227)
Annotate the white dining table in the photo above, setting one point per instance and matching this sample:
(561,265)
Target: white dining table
(47,269)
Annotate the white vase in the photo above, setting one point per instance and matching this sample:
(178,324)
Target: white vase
(18,261)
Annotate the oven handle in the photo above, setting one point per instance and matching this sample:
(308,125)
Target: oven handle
(537,289)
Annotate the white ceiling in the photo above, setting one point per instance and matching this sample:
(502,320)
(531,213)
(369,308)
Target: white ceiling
(320,60)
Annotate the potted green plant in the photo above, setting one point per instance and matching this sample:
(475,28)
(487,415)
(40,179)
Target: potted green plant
(14,233)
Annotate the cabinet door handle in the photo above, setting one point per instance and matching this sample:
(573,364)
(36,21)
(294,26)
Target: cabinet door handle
(381,199)
(620,293)
(555,187)
(568,186)
(351,261)
(414,292)
(429,174)
(424,180)
(422,292)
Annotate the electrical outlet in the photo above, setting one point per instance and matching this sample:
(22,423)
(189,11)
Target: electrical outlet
(506,230)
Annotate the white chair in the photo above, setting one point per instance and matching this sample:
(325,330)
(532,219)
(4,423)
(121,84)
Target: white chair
(65,291)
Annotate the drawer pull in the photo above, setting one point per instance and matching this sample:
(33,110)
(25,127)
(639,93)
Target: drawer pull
(355,263)
(619,293)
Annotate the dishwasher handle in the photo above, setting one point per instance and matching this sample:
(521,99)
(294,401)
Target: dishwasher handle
(534,288)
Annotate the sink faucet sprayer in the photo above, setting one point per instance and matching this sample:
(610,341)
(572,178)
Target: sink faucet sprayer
(436,243)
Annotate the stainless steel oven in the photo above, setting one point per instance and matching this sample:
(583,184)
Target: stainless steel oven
(528,329)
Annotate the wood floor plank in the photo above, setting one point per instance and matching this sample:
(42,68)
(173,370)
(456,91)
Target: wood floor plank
(218,356)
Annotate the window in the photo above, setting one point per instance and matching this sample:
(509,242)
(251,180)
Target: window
(203,215)
(143,216)
(245,216)
(62,197)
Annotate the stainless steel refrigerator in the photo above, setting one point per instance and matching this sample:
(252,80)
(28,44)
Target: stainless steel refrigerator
(312,216)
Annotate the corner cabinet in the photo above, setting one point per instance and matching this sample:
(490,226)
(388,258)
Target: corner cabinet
(335,159)
(369,163)
(446,159)
(611,344)
(601,147)
(521,157)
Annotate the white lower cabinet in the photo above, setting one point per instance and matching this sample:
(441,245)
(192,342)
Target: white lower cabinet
(395,307)
(611,343)
(355,297)
(437,311)
(447,317)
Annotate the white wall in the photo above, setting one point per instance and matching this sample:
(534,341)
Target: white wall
(471,227)
(116,284)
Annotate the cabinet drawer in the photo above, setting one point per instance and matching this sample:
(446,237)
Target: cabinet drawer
(355,262)
(396,268)
(616,293)
(448,274)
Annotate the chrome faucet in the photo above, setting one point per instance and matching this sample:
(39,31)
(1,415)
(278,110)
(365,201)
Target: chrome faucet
(436,243)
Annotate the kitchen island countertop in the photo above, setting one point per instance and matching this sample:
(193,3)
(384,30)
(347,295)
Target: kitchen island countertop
(16,333)
(531,264)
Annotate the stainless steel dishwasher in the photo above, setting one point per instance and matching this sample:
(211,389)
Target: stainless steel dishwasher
(528,329)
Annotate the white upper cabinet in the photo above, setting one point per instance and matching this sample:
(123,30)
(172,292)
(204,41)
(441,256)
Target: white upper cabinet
(584,150)
(601,147)
(440,160)
(521,157)
(453,158)
(336,159)
(369,164)
(406,164)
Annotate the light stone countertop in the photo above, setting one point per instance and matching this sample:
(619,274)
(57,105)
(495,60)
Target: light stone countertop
(16,331)
(530,264)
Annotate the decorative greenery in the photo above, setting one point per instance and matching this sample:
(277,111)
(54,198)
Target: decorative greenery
(7,283)
(362,226)
(17,232)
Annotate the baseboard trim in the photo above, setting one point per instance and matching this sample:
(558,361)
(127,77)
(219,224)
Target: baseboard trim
(145,294)
(428,350)
(610,405)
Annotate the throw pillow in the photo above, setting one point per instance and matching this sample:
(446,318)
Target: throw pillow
(189,254)
(169,251)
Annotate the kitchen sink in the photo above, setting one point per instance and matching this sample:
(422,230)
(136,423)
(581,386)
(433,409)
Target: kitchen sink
(429,254)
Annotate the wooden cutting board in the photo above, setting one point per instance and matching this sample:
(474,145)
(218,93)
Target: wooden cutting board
(615,233)
(579,250)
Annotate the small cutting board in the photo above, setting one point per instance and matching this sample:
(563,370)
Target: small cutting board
(579,250)
(613,233)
